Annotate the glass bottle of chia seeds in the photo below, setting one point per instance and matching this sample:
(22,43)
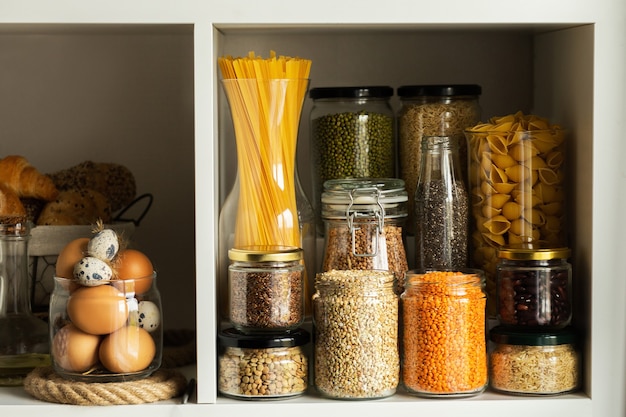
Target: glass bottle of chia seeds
(441,207)
(352,136)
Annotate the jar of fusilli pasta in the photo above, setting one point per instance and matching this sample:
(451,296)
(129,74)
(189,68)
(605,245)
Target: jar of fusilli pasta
(432,110)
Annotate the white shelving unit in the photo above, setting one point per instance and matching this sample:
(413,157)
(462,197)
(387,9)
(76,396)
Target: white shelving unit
(560,59)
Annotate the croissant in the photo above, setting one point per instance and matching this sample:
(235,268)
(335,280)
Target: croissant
(10,204)
(24,179)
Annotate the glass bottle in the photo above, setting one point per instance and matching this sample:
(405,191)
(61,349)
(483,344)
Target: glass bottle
(23,336)
(355,313)
(436,109)
(441,206)
(444,351)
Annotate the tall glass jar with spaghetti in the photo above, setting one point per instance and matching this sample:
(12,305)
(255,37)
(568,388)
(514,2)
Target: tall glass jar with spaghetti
(444,352)
(517,188)
(432,110)
(363,221)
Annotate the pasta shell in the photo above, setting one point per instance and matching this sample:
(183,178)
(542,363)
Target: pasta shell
(493,239)
(511,210)
(552,209)
(504,187)
(523,150)
(552,224)
(536,162)
(518,173)
(518,240)
(546,193)
(521,227)
(525,198)
(549,176)
(486,252)
(497,225)
(534,216)
(497,200)
(497,175)
(554,159)
(489,211)
(497,144)
(487,188)
(503,161)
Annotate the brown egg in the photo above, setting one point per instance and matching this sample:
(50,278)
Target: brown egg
(132,264)
(97,310)
(75,350)
(130,349)
(69,256)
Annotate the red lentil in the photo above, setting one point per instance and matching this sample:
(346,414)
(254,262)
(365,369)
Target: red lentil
(444,342)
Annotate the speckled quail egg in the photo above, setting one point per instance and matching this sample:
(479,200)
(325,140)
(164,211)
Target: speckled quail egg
(90,271)
(104,245)
(149,316)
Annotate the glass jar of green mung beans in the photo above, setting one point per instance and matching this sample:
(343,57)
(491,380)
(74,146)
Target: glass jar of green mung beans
(352,134)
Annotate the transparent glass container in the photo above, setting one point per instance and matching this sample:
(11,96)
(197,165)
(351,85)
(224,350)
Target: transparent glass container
(266,288)
(433,110)
(23,336)
(107,333)
(355,313)
(263,367)
(364,219)
(444,351)
(527,362)
(352,134)
(534,287)
(441,207)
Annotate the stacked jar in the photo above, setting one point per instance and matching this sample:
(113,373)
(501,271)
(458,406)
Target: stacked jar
(263,355)
(534,309)
(433,110)
(352,135)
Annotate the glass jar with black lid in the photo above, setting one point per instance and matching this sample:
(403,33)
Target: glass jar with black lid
(352,135)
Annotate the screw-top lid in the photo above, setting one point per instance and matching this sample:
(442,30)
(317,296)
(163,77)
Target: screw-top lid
(529,253)
(232,338)
(440,90)
(351,92)
(265,253)
(527,337)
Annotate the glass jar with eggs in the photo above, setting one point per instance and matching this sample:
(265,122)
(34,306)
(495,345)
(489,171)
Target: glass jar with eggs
(105,312)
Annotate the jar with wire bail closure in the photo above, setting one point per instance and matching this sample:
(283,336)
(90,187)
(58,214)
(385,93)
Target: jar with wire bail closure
(363,225)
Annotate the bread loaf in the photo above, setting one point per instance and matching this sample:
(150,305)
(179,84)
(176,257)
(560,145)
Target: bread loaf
(78,207)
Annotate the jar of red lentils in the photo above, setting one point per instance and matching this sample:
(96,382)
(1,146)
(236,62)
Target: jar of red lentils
(444,351)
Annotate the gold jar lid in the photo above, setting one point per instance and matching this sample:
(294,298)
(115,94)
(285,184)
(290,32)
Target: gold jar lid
(532,253)
(265,253)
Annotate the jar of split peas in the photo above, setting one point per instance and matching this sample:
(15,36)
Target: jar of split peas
(444,351)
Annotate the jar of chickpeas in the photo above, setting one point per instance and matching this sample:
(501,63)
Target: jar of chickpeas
(444,352)
(517,188)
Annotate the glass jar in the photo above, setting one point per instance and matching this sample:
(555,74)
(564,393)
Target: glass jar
(355,313)
(262,367)
(534,362)
(23,336)
(266,288)
(441,207)
(433,110)
(352,134)
(534,287)
(444,350)
(363,225)
(106,333)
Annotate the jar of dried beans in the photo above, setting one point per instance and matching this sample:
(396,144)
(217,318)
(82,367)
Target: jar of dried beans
(539,362)
(266,288)
(363,225)
(444,349)
(355,313)
(269,366)
(352,135)
(534,287)
(432,110)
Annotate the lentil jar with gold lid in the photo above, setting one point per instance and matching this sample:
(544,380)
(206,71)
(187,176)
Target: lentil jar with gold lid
(534,287)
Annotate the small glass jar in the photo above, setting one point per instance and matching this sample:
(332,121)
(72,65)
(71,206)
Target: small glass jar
(534,287)
(263,367)
(534,362)
(363,225)
(444,352)
(352,134)
(433,110)
(106,333)
(266,288)
(355,313)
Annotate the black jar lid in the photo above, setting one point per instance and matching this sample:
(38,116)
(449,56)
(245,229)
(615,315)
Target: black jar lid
(233,338)
(511,336)
(439,90)
(351,92)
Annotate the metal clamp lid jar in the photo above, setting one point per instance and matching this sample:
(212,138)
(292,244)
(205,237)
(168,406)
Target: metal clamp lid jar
(266,288)
(534,287)
(549,359)
(433,110)
(271,366)
(352,134)
(363,224)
